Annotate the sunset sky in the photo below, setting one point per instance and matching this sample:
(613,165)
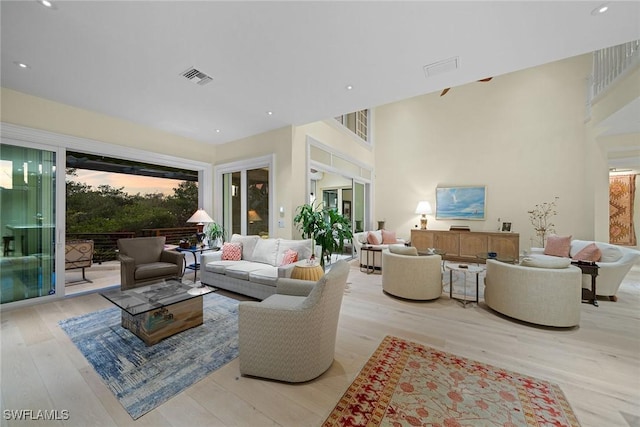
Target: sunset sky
(132,184)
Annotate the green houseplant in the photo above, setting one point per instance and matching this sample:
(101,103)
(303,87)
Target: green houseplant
(325,227)
(337,229)
(215,233)
(309,220)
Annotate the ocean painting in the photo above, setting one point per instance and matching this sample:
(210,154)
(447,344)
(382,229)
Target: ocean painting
(460,202)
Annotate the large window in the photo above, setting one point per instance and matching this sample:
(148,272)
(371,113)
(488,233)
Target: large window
(246,197)
(357,122)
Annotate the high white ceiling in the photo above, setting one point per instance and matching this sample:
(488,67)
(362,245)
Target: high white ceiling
(295,58)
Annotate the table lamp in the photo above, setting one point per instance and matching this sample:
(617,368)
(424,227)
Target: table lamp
(423,208)
(200,217)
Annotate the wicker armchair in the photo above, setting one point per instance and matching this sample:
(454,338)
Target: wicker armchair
(291,335)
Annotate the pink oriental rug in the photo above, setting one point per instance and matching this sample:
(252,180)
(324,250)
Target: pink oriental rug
(408,384)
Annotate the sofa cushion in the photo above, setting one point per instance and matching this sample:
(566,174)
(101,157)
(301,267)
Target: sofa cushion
(302,247)
(403,250)
(248,244)
(231,251)
(591,252)
(221,266)
(558,245)
(242,271)
(388,237)
(545,261)
(373,239)
(266,251)
(155,269)
(264,276)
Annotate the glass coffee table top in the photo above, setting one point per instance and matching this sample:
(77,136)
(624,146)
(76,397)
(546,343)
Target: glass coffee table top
(153,296)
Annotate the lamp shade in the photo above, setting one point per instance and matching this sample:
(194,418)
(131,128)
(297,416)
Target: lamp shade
(200,217)
(424,208)
(252,215)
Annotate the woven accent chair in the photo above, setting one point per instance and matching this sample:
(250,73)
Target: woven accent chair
(291,335)
(144,259)
(411,276)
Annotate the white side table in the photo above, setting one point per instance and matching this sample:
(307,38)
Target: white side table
(466,269)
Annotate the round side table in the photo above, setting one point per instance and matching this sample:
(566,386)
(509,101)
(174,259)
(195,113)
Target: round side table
(304,271)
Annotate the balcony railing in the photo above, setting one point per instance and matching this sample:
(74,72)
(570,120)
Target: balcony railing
(106,244)
(611,63)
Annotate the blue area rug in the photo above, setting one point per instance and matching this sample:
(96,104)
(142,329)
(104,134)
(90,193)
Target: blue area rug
(144,377)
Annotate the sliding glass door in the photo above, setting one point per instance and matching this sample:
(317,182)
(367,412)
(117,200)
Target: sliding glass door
(28,222)
(246,199)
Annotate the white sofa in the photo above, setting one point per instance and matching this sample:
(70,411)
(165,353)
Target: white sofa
(257,273)
(360,239)
(544,296)
(614,265)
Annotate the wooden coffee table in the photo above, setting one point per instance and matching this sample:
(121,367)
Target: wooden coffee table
(158,310)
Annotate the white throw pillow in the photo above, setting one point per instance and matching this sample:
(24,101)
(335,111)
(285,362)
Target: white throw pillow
(609,253)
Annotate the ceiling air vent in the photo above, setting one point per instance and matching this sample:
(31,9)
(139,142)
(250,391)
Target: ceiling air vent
(196,76)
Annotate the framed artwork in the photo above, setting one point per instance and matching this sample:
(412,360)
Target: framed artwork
(506,227)
(461,202)
(346,208)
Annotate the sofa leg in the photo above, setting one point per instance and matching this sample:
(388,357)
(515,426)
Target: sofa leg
(613,298)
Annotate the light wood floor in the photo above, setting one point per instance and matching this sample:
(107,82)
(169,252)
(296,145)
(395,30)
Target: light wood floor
(597,365)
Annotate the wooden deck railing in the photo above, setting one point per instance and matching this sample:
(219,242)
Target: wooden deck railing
(105,244)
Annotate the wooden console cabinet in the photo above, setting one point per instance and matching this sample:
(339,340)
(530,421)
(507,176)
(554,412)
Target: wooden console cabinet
(466,245)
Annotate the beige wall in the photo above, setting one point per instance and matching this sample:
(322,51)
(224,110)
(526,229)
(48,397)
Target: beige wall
(38,113)
(522,135)
(277,142)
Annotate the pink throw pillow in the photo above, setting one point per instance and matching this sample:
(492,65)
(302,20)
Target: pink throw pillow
(388,237)
(231,252)
(589,253)
(372,239)
(290,256)
(558,245)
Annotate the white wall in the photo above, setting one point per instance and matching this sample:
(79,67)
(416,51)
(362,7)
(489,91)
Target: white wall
(522,135)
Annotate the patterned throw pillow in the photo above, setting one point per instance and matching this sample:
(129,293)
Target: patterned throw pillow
(290,256)
(388,237)
(372,239)
(231,252)
(589,253)
(558,245)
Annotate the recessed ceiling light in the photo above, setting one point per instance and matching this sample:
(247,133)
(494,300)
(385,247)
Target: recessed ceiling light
(47,3)
(600,9)
(22,64)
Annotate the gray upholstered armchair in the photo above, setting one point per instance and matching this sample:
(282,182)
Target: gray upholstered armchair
(143,259)
(291,335)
